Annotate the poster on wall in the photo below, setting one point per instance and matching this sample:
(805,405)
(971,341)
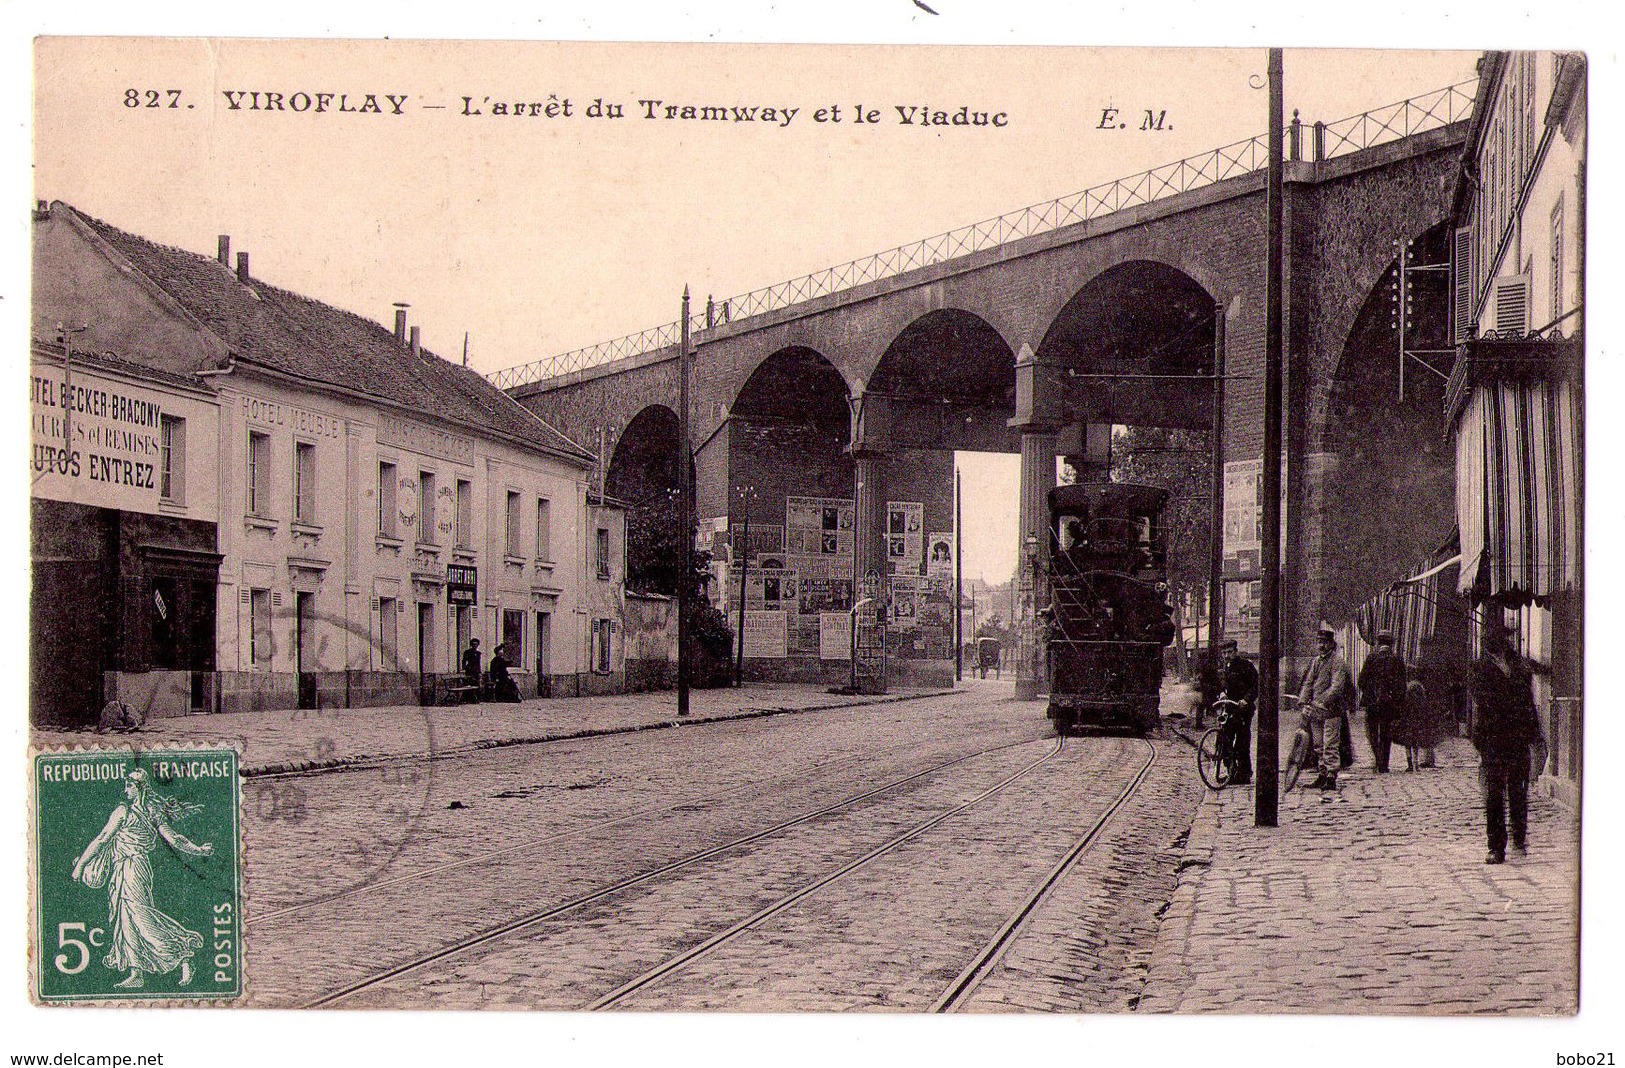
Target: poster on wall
(939,554)
(820,567)
(834,635)
(711,535)
(934,615)
(904,594)
(819,526)
(905,536)
(767,589)
(765,635)
(825,595)
(1243,509)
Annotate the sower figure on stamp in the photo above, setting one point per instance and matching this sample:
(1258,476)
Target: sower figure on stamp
(143,939)
(1241,685)
(1324,697)
(1382,694)
(1505,727)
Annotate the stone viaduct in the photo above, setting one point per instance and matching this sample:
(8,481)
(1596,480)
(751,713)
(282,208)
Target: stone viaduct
(862,390)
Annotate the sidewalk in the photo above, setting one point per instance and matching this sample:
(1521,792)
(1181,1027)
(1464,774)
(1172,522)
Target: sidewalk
(1374,898)
(282,741)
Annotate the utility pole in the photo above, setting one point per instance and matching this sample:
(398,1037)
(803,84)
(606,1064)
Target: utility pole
(959,579)
(1215,534)
(685,510)
(1265,799)
(742,551)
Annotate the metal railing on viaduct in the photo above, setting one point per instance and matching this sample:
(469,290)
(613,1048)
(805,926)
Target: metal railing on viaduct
(1326,140)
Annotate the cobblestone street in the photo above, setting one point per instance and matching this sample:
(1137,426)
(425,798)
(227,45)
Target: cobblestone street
(545,855)
(451,849)
(1372,899)
(381,879)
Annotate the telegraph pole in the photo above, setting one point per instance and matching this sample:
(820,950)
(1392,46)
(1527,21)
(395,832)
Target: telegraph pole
(1215,535)
(959,580)
(685,510)
(1265,799)
(742,552)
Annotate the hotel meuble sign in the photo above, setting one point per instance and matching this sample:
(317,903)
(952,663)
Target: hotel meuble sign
(116,454)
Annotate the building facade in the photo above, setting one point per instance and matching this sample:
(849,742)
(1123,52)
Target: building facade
(1515,399)
(123,510)
(352,509)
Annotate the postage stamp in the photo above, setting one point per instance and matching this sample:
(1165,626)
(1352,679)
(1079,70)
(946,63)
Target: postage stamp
(137,875)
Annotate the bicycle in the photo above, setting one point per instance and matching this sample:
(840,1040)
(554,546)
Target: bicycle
(1216,752)
(1303,750)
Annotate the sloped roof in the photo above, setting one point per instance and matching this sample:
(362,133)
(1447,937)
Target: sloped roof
(307,339)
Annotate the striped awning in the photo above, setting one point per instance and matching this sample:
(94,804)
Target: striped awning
(1407,609)
(1518,456)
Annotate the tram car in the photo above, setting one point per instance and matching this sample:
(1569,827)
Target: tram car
(1109,619)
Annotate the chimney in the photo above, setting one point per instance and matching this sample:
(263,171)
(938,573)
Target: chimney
(242,266)
(400,321)
(417,349)
(224,255)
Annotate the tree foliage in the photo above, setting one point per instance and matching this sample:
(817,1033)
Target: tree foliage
(654,564)
(654,546)
(1179,461)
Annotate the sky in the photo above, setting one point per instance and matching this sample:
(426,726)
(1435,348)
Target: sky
(537,239)
(536,234)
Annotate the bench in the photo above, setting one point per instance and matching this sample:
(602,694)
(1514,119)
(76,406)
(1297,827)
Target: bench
(457,690)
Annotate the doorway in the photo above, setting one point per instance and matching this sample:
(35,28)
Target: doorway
(304,648)
(426,653)
(544,676)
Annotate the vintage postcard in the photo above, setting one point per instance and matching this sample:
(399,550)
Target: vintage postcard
(753,528)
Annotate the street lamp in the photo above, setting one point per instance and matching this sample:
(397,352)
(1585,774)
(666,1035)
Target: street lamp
(853,631)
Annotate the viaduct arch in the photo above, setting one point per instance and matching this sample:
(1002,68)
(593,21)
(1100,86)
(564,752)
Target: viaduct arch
(992,351)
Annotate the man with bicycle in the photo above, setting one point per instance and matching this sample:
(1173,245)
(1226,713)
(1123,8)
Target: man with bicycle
(1240,686)
(1323,697)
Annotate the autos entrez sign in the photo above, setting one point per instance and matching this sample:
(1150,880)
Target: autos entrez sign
(116,452)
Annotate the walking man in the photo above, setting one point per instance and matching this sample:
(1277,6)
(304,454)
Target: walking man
(1324,697)
(1504,728)
(1382,694)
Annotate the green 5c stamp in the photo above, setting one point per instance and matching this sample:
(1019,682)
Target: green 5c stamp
(137,887)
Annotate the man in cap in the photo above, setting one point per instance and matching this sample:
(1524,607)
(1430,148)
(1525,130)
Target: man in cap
(1382,695)
(1241,686)
(1324,697)
(1504,728)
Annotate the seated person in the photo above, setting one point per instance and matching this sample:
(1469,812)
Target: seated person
(503,688)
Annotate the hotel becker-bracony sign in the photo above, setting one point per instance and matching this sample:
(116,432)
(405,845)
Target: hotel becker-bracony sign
(116,431)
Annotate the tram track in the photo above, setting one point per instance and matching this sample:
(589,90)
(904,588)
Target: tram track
(687,804)
(988,960)
(495,934)
(688,956)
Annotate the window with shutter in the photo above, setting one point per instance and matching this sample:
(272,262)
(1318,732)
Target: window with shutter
(1461,305)
(1510,304)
